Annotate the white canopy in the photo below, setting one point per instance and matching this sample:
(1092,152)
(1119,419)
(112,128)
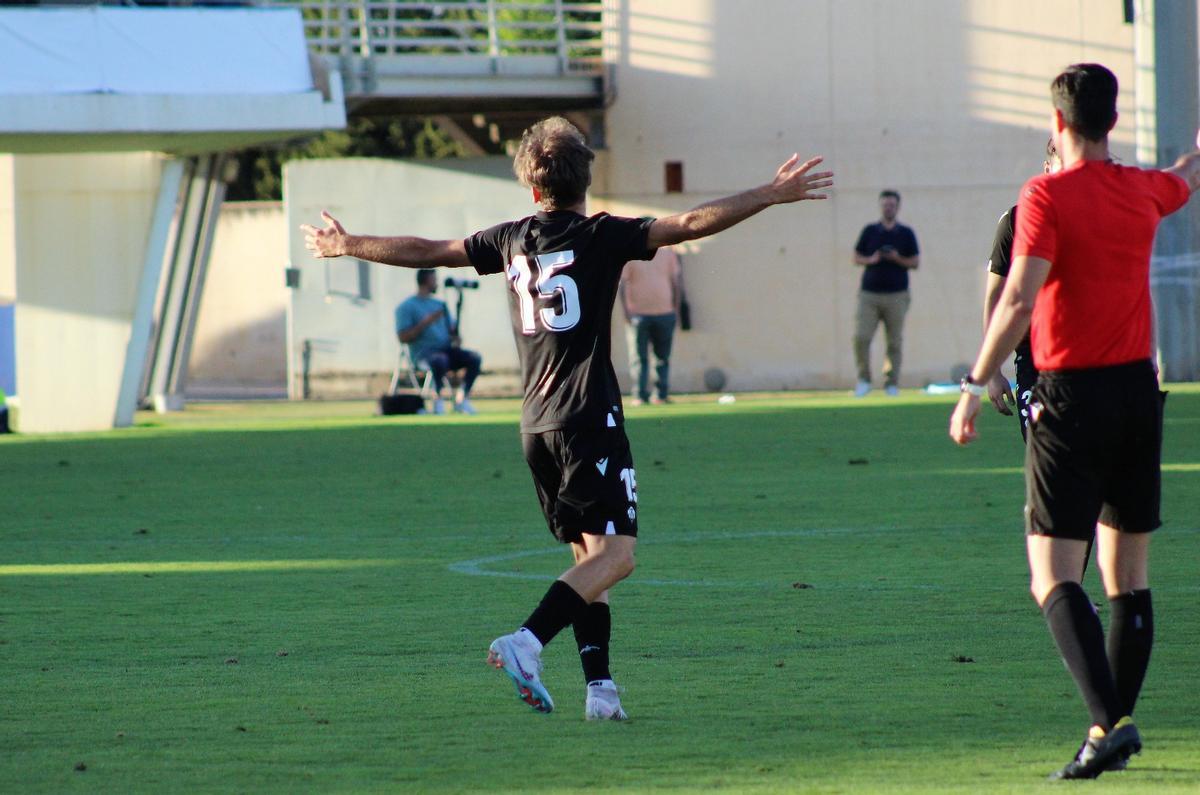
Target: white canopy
(152,51)
(175,79)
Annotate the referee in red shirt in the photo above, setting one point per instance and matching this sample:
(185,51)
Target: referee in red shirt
(1080,273)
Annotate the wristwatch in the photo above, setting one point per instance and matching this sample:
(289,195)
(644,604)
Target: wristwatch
(968,386)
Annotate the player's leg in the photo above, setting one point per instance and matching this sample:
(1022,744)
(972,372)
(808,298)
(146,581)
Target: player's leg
(598,501)
(608,562)
(518,654)
(663,336)
(866,321)
(593,634)
(893,311)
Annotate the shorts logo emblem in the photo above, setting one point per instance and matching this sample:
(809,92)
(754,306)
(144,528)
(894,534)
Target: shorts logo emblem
(632,514)
(1035,411)
(602,465)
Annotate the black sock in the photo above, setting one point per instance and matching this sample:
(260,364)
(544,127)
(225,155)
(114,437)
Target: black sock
(593,629)
(1130,637)
(1076,629)
(559,608)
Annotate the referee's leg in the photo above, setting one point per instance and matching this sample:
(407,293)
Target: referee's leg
(1054,566)
(1123,560)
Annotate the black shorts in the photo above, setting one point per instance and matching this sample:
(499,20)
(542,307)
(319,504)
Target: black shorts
(585,482)
(1026,377)
(1094,451)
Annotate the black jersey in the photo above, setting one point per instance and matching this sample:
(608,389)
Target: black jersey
(563,269)
(1001,261)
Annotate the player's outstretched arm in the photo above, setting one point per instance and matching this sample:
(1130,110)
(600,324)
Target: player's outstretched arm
(1188,167)
(792,183)
(404,252)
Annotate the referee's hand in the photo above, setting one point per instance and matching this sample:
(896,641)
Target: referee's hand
(962,421)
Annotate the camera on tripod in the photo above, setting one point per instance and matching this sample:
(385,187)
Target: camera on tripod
(461,284)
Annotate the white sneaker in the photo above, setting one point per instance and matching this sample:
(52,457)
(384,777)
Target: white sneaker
(603,702)
(862,388)
(514,655)
(891,390)
(439,406)
(464,407)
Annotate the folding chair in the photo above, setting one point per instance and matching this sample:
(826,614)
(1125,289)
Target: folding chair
(419,374)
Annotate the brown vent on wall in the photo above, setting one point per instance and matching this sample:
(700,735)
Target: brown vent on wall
(673,176)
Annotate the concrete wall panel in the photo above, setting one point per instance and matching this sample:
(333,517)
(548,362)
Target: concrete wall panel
(240,348)
(81,224)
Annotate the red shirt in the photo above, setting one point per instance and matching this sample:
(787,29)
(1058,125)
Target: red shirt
(1095,223)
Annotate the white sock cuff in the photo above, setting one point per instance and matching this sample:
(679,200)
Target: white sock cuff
(531,639)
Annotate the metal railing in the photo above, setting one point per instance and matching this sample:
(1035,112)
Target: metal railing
(569,31)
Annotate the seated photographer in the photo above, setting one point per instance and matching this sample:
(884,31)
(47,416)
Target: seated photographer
(423,324)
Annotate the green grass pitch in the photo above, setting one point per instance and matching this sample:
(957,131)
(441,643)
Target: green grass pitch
(831,597)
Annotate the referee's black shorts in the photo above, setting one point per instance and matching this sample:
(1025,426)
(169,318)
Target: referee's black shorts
(585,481)
(1094,451)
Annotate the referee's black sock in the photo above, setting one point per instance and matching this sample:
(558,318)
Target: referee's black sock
(1076,629)
(1130,637)
(593,629)
(559,608)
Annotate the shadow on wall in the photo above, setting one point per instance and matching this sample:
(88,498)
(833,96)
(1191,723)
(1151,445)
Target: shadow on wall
(249,360)
(945,101)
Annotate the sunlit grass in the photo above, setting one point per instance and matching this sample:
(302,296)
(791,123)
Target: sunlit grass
(188,567)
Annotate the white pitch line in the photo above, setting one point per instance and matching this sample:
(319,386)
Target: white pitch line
(475,566)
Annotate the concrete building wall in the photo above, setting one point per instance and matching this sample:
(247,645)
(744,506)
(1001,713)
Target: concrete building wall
(80,229)
(240,348)
(945,101)
(352,339)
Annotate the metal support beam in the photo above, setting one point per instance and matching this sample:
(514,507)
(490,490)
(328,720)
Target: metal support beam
(143,315)
(187,269)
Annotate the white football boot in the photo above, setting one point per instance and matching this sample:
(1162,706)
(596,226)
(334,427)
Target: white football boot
(603,702)
(517,657)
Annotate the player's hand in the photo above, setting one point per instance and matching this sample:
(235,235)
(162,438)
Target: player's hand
(1000,394)
(962,421)
(794,183)
(327,242)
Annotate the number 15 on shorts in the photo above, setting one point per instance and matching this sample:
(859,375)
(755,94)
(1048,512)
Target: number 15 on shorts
(630,481)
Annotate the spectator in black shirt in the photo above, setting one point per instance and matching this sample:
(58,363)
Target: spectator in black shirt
(887,251)
(563,267)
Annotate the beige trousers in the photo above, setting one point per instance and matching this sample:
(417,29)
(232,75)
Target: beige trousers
(874,308)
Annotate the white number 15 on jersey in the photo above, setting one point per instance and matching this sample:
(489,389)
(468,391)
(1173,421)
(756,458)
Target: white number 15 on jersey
(549,283)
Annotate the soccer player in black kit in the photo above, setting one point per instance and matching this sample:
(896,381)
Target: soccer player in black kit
(999,264)
(563,267)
